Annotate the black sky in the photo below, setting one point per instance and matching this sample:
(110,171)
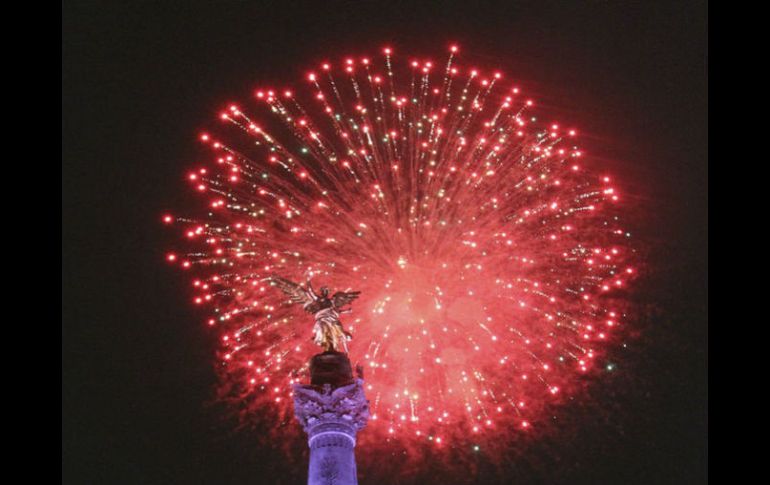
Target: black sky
(141,79)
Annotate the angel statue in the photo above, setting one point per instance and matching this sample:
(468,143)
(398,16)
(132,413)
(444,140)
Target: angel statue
(327,331)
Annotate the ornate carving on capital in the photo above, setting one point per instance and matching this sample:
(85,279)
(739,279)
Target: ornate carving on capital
(344,408)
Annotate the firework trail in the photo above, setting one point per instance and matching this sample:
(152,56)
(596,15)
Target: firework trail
(492,266)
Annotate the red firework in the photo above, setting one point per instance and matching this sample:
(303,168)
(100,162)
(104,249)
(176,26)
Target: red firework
(492,266)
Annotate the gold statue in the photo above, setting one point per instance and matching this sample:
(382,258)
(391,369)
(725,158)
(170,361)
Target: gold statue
(327,331)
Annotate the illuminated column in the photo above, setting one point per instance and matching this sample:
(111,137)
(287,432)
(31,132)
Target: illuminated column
(332,409)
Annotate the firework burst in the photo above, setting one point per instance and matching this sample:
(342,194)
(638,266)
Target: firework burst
(492,266)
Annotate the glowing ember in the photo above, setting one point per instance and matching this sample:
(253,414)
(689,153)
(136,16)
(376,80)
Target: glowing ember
(491,264)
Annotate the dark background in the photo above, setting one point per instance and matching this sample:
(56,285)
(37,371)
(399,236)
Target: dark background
(140,80)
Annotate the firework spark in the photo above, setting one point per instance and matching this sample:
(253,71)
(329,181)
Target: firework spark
(492,265)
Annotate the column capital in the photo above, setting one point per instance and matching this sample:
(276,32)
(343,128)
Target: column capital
(327,410)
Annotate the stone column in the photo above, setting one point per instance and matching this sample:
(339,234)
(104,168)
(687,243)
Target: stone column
(331,410)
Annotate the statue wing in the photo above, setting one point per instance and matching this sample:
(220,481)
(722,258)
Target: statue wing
(342,298)
(297,293)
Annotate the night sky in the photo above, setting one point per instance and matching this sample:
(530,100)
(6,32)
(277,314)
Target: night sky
(141,79)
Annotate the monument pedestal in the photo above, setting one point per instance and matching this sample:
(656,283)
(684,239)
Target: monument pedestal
(331,410)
